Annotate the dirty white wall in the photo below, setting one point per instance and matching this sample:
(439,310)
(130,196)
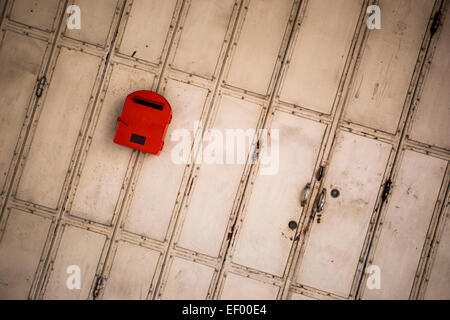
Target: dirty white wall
(363,119)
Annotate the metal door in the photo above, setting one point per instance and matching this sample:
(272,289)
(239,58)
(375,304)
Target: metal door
(360,181)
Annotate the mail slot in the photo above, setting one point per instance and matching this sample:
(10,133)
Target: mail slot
(144,122)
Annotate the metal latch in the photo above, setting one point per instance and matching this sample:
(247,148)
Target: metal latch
(305,194)
(321,201)
(320,204)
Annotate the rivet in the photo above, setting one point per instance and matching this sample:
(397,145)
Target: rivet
(293,225)
(335,193)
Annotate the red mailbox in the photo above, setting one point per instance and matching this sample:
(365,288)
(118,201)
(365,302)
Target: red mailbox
(144,122)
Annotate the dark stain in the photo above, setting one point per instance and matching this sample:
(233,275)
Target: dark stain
(375,90)
(436,23)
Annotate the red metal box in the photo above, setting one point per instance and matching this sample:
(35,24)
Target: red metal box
(144,122)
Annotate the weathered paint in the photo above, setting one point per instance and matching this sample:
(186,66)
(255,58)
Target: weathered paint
(254,33)
(147,15)
(187,281)
(431,123)
(20,61)
(58,128)
(96,20)
(439,281)
(381,85)
(241,288)
(203,35)
(20,250)
(297,296)
(259,43)
(101,180)
(215,190)
(334,245)
(39,14)
(319,56)
(132,273)
(405,226)
(151,207)
(265,238)
(78,248)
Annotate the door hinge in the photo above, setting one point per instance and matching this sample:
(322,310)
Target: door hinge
(41,84)
(98,287)
(386,190)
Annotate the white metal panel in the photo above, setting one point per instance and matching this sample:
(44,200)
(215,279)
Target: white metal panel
(297,296)
(334,245)
(96,19)
(40,14)
(20,61)
(78,248)
(259,44)
(431,123)
(58,128)
(217,184)
(187,281)
(382,82)
(151,207)
(132,273)
(320,54)
(20,250)
(405,227)
(203,36)
(147,28)
(240,288)
(106,164)
(265,239)
(439,282)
